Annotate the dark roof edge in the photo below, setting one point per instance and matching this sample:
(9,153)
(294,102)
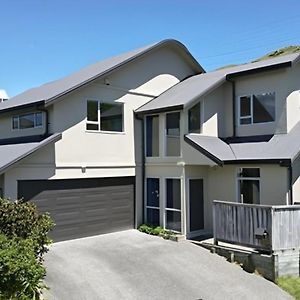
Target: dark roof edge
(203,151)
(19,107)
(259,70)
(159,110)
(145,52)
(53,138)
(284,162)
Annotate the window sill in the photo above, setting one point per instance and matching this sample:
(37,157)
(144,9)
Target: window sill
(105,132)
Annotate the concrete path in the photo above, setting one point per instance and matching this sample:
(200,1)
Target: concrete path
(132,265)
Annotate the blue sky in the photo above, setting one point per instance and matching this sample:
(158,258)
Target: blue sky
(43,40)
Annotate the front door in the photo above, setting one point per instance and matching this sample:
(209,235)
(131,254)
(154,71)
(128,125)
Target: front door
(196,204)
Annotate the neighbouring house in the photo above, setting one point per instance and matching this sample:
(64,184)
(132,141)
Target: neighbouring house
(149,136)
(3,96)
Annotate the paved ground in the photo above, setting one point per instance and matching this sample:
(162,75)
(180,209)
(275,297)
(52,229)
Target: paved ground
(132,265)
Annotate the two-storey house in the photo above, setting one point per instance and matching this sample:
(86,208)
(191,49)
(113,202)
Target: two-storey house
(73,145)
(230,135)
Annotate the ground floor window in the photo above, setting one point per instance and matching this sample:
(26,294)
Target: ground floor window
(152,201)
(249,185)
(173,204)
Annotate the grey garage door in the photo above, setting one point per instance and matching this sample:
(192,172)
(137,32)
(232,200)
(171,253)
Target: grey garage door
(83,207)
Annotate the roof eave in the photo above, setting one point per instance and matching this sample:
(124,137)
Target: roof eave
(51,139)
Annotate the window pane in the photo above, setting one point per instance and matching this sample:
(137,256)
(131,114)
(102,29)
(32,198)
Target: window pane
(152,136)
(173,220)
(245,106)
(92,126)
(15,122)
(249,191)
(173,124)
(245,121)
(152,216)
(92,110)
(249,172)
(26,121)
(194,119)
(111,117)
(173,193)
(153,192)
(38,119)
(264,108)
(173,134)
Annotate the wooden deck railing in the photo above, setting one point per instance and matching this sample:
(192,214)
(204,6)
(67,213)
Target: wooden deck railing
(262,227)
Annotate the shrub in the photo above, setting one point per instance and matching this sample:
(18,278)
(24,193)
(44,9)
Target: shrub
(155,230)
(21,274)
(21,219)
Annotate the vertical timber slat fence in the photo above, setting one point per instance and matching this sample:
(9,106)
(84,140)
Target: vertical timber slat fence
(262,227)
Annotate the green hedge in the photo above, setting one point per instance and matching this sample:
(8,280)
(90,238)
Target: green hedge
(155,230)
(22,219)
(23,242)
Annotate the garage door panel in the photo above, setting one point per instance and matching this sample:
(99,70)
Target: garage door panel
(83,208)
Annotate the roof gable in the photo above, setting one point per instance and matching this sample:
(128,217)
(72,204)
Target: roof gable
(55,89)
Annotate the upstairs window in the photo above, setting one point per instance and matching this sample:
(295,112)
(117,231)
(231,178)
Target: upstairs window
(152,136)
(104,116)
(27,121)
(173,134)
(194,119)
(255,109)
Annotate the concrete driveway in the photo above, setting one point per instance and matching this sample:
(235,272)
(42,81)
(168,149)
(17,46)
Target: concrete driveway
(132,265)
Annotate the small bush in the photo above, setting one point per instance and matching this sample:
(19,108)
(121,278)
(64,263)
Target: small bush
(21,219)
(155,230)
(21,274)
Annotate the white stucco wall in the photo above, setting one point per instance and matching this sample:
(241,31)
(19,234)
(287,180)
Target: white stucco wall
(296,180)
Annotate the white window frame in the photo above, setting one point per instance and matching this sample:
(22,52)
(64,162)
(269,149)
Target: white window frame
(251,110)
(166,209)
(145,135)
(99,117)
(159,199)
(25,114)
(238,179)
(165,134)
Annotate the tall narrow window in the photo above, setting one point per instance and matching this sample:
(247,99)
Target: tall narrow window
(173,134)
(152,205)
(194,119)
(92,115)
(152,136)
(173,205)
(248,185)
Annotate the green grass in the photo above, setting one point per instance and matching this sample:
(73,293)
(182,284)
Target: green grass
(275,53)
(291,285)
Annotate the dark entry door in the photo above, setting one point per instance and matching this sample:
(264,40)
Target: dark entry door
(196,204)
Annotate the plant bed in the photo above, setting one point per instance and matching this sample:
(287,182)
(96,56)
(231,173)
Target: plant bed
(291,285)
(159,231)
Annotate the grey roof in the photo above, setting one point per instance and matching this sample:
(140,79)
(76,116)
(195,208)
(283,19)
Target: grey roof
(52,90)
(185,92)
(279,147)
(13,153)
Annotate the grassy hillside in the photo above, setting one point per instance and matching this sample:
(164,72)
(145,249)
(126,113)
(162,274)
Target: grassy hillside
(275,53)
